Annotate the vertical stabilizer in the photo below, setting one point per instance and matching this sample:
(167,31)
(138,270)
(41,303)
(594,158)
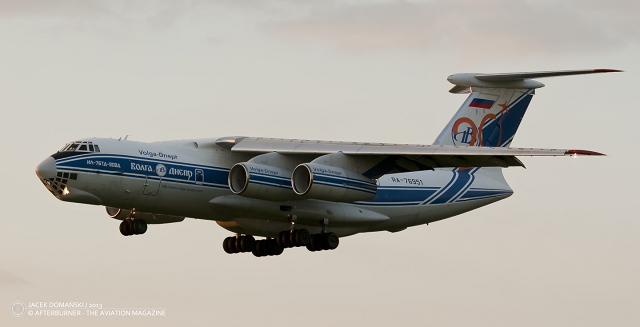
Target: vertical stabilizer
(489,117)
(493,111)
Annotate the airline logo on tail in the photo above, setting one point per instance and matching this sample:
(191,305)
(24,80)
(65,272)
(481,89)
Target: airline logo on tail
(490,119)
(466,132)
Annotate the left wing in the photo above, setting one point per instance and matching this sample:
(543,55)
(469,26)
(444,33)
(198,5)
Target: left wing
(397,157)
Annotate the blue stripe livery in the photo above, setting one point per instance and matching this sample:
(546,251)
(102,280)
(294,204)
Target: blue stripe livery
(458,189)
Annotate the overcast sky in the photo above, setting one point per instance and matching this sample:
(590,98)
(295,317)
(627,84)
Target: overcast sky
(562,251)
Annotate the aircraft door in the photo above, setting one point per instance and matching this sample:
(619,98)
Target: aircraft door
(151,186)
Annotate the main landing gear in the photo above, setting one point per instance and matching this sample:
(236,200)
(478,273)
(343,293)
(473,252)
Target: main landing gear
(132,226)
(285,239)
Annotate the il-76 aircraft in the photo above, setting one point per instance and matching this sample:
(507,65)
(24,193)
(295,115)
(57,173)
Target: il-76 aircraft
(297,192)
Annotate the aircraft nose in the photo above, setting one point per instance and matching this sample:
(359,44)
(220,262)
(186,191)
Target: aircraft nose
(47,168)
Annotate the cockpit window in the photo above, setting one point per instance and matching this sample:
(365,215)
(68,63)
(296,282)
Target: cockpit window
(80,146)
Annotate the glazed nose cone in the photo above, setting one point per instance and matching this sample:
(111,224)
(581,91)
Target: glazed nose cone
(47,168)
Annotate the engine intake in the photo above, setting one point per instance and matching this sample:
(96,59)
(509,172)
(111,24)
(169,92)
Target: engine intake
(260,181)
(332,183)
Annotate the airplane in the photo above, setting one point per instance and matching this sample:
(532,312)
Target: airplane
(306,193)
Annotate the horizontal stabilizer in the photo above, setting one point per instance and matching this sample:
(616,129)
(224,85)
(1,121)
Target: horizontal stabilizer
(508,77)
(524,80)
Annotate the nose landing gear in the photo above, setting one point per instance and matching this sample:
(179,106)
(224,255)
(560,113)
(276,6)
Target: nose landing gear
(132,226)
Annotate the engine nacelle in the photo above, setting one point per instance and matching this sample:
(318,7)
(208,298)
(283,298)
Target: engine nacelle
(150,218)
(332,183)
(260,181)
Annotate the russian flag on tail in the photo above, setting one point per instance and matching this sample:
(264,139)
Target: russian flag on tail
(481,103)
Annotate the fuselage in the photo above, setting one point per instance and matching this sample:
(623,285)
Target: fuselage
(189,178)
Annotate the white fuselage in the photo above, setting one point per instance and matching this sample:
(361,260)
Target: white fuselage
(189,178)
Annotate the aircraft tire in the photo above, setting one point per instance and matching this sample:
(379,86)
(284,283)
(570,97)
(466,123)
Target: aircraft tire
(238,243)
(247,243)
(231,244)
(126,228)
(316,242)
(260,250)
(139,226)
(286,239)
(302,237)
(292,238)
(225,246)
(123,229)
(132,231)
(330,241)
(311,248)
(274,248)
(255,250)
(281,238)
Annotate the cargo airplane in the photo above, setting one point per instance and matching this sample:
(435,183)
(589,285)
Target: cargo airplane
(295,192)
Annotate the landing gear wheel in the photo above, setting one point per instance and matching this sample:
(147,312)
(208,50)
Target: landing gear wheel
(311,248)
(273,247)
(255,250)
(225,246)
(131,230)
(246,243)
(316,242)
(125,228)
(287,240)
(281,238)
(261,249)
(238,243)
(302,237)
(139,226)
(121,227)
(330,241)
(231,244)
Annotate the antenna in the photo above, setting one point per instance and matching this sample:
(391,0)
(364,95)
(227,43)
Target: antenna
(125,137)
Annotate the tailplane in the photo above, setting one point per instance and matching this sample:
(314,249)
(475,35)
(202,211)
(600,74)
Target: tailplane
(495,107)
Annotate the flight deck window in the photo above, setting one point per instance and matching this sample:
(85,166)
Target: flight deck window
(83,146)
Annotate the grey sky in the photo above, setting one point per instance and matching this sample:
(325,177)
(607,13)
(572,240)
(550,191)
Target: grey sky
(561,251)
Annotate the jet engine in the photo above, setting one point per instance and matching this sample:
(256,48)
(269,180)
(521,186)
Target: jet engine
(332,183)
(150,218)
(260,181)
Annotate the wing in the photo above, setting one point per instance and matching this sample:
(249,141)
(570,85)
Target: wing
(384,158)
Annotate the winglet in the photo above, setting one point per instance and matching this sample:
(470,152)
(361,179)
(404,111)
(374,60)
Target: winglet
(583,153)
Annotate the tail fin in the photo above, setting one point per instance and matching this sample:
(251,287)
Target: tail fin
(493,111)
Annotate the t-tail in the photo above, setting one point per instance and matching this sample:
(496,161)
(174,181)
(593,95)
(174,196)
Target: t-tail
(495,107)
